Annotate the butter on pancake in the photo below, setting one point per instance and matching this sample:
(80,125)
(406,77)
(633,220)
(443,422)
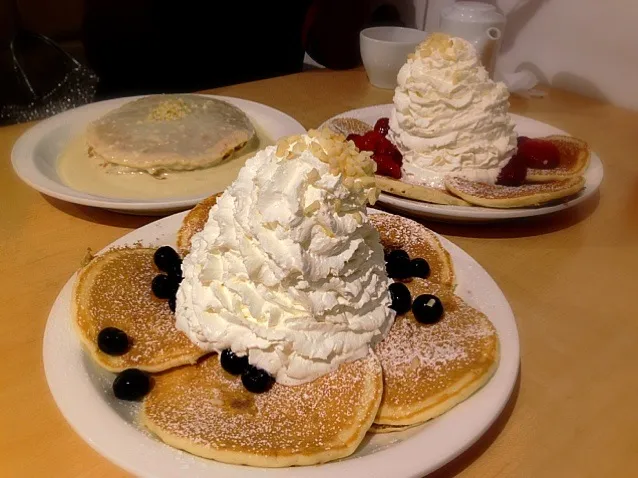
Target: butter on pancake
(205,411)
(114,290)
(169,133)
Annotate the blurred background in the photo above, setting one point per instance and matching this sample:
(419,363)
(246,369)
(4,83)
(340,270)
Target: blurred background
(142,46)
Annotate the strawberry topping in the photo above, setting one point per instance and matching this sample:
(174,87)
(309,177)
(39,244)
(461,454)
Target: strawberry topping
(539,153)
(388,158)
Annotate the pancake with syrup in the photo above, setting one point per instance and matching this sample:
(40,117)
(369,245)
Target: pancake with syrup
(207,412)
(114,290)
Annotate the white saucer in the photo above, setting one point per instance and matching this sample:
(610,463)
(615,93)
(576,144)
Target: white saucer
(36,152)
(524,126)
(82,391)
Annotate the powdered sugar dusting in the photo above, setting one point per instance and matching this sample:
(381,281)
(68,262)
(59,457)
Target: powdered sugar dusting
(397,232)
(210,408)
(116,292)
(420,360)
(495,191)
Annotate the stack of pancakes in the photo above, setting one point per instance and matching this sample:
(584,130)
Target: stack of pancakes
(417,372)
(541,185)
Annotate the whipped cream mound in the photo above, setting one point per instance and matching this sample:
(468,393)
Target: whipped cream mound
(288,268)
(449,117)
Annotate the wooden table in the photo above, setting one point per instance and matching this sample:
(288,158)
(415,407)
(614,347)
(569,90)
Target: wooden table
(572,280)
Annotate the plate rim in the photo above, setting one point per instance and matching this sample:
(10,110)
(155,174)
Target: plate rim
(25,165)
(594,173)
(392,459)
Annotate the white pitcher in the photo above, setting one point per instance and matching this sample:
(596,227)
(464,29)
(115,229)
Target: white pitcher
(479,23)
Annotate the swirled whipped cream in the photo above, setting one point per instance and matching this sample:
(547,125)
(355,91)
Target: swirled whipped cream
(449,117)
(288,268)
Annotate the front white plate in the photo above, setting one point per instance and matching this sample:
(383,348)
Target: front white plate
(82,391)
(36,153)
(524,126)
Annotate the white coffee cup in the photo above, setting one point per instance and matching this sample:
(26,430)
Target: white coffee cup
(384,50)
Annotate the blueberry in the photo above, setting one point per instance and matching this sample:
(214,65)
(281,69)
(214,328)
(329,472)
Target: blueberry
(386,254)
(164,286)
(419,268)
(131,384)
(401,298)
(427,309)
(171,303)
(167,260)
(176,275)
(232,363)
(398,264)
(397,254)
(112,341)
(256,380)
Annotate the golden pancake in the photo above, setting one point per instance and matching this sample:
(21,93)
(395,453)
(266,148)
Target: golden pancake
(346,126)
(114,290)
(417,192)
(502,197)
(574,159)
(169,132)
(207,412)
(398,232)
(428,369)
(377,428)
(194,222)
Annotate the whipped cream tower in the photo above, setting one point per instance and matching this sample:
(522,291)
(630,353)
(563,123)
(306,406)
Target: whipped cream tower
(449,116)
(288,268)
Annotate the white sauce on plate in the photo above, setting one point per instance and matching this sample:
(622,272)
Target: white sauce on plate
(84,173)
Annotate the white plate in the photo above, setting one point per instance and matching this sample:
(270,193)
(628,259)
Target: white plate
(36,152)
(524,126)
(82,392)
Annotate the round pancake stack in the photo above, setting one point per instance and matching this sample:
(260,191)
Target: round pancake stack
(169,133)
(416,373)
(541,185)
